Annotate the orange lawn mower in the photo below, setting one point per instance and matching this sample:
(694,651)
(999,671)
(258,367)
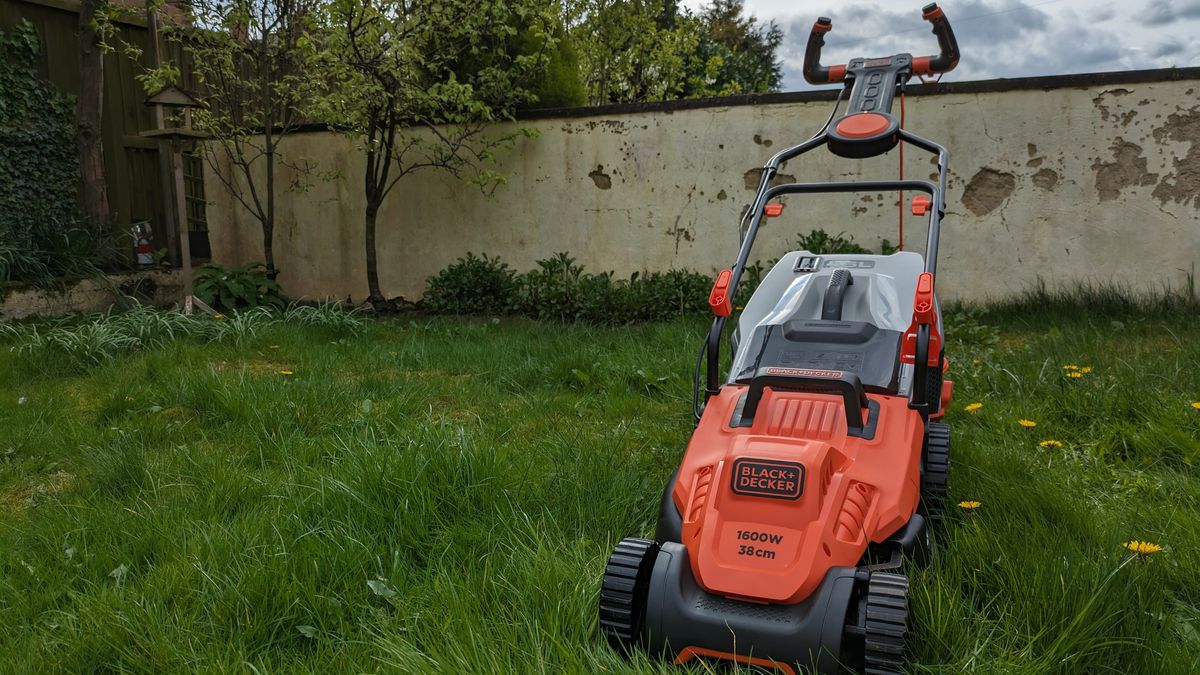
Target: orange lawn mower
(819,466)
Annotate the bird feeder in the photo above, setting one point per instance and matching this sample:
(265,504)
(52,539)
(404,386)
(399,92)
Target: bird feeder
(175,127)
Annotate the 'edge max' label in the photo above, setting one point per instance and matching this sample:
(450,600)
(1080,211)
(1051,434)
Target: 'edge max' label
(767,478)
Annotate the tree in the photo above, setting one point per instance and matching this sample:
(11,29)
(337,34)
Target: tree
(644,50)
(633,50)
(418,82)
(734,53)
(249,60)
(89,108)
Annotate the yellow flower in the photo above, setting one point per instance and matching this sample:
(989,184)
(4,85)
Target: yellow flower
(273,347)
(1142,548)
(972,407)
(218,317)
(1196,405)
(286,373)
(1070,366)
(1050,443)
(1085,370)
(1075,373)
(970,506)
(1027,423)
(975,362)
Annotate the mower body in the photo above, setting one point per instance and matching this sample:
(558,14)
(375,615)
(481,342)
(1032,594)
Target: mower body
(768,518)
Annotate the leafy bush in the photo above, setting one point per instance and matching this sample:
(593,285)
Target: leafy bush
(472,286)
(819,241)
(245,286)
(560,289)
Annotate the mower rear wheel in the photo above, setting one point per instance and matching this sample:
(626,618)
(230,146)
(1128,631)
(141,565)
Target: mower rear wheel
(624,590)
(936,476)
(886,624)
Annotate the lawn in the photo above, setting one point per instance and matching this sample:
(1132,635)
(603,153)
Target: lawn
(436,495)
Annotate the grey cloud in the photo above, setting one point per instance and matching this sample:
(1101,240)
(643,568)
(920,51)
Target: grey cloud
(1161,12)
(998,38)
(1169,48)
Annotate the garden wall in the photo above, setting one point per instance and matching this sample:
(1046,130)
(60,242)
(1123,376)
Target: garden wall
(1065,179)
(160,288)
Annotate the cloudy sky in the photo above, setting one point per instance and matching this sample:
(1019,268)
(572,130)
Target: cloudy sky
(998,38)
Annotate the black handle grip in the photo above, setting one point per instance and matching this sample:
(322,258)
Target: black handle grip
(854,398)
(814,72)
(947,58)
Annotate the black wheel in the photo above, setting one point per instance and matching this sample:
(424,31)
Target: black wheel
(886,627)
(624,590)
(936,474)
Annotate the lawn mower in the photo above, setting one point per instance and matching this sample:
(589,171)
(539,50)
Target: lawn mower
(818,468)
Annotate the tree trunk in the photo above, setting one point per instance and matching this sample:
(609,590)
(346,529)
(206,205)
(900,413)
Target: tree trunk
(268,223)
(374,294)
(88,111)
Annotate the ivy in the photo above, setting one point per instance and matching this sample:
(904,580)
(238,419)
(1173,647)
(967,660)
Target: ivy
(39,168)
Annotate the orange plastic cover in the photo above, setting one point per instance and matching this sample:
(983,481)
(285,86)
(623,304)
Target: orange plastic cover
(769,509)
(920,205)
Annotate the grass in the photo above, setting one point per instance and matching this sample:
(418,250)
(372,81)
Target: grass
(431,495)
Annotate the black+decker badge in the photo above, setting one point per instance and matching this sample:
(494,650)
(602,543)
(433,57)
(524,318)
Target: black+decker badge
(767,478)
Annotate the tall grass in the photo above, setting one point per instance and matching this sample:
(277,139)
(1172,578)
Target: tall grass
(92,340)
(430,495)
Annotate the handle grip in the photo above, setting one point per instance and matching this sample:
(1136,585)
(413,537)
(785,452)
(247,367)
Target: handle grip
(814,72)
(947,58)
(847,385)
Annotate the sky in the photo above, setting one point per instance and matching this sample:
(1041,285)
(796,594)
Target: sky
(998,38)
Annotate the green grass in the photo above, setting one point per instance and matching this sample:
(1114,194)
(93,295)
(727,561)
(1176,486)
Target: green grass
(437,495)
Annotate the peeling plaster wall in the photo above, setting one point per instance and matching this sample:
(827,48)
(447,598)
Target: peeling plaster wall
(1071,184)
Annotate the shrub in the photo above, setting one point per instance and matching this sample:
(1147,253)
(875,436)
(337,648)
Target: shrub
(472,286)
(819,241)
(560,289)
(243,287)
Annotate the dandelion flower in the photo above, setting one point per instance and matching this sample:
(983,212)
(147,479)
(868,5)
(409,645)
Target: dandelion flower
(1027,423)
(1196,405)
(1085,370)
(1142,548)
(1070,366)
(218,317)
(286,373)
(969,506)
(972,407)
(1050,443)
(1075,373)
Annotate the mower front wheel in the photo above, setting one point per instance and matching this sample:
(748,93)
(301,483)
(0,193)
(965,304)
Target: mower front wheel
(624,591)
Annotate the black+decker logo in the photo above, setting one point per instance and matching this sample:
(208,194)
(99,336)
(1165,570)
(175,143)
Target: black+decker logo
(768,478)
(805,372)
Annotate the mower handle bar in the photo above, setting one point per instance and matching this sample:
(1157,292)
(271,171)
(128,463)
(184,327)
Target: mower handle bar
(943,62)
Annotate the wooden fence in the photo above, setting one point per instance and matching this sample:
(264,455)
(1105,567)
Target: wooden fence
(132,164)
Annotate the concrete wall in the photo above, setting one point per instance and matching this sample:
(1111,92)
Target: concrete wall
(1067,181)
(160,288)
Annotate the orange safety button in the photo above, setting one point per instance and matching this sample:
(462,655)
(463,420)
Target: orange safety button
(863,125)
(920,205)
(720,299)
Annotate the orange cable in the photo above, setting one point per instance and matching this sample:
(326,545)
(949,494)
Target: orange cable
(900,244)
